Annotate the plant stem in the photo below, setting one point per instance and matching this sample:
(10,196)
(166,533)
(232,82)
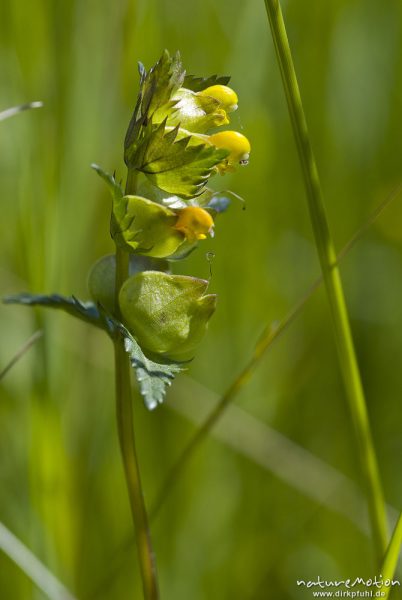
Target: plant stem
(391,557)
(124,411)
(330,271)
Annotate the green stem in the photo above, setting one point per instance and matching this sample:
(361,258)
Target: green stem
(124,411)
(391,558)
(327,256)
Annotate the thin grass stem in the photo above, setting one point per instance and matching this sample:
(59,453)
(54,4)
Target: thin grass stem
(20,353)
(326,251)
(391,558)
(33,568)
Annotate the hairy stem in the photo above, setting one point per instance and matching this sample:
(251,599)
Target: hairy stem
(330,271)
(124,411)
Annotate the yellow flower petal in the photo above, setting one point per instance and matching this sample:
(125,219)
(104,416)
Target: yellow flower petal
(224,94)
(236,143)
(194,223)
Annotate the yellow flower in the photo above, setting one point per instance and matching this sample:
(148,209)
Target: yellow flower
(195,223)
(236,143)
(224,94)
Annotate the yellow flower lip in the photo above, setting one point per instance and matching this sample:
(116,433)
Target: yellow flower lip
(194,223)
(221,117)
(224,94)
(237,144)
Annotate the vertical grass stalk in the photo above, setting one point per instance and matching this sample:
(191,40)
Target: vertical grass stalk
(124,411)
(390,563)
(326,251)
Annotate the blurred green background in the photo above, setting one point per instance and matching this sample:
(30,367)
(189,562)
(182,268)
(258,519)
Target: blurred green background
(252,512)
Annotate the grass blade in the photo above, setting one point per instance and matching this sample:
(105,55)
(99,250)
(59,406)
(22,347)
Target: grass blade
(391,557)
(32,566)
(20,353)
(326,252)
(10,112)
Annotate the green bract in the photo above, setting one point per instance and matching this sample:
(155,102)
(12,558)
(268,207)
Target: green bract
(175,163)
(146,227)
(143,226)
(197,84)
(167,314)
(214,202)
(156,89)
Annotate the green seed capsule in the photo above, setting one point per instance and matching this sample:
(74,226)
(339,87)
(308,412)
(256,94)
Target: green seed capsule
(167,314)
